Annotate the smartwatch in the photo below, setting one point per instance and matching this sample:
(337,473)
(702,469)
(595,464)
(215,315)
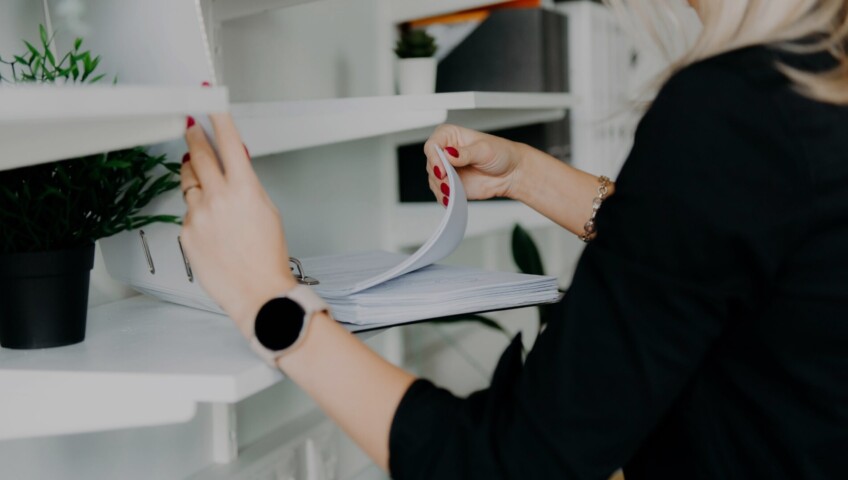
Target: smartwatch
(282,322)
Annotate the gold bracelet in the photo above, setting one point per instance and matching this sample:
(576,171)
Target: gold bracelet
(603,190)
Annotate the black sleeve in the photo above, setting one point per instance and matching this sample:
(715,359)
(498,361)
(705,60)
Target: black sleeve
(690,240)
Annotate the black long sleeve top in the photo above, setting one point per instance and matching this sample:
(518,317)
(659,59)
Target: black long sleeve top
(705,334)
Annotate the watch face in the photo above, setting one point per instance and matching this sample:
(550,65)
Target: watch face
(279,323)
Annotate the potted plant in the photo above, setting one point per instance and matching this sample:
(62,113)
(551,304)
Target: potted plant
(416,67)
(51,215)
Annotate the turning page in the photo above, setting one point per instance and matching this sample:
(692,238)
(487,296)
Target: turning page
(370,269)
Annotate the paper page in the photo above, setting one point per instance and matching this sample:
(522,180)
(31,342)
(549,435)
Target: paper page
(441,244)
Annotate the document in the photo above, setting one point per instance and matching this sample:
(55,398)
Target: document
(431,292)
(373,289)
(442,243)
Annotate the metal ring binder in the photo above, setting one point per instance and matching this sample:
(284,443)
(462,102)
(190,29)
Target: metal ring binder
(189,273)
(300,274)
(147,254)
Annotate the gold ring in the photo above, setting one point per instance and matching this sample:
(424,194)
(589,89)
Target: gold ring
(185,192)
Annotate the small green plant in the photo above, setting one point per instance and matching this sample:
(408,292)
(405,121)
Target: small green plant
(74,202)
(40,65)
(415,44)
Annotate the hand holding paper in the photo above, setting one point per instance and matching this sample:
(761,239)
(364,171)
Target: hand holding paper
(442,243)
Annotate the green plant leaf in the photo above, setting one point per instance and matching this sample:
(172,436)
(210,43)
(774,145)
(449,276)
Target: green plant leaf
(525,253)
(34,51)
(50,57)
(117,164)
(43,32)
(77,43)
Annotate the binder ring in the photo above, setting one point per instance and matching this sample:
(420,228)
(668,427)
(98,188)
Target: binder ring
(300,274)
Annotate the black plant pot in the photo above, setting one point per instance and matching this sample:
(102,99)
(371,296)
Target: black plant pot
(44,297)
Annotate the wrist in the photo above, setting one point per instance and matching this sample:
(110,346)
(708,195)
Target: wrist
(258,294)
(526,168)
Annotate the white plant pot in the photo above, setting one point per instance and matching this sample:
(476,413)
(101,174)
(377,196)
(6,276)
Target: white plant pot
(416,76)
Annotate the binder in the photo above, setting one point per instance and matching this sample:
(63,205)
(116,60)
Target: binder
(370,290)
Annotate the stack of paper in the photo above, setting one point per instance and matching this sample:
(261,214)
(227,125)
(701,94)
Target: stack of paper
(379,288)
(431,292)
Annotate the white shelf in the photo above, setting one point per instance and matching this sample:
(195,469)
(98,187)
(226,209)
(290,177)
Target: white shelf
(42,124)
(406,10)
(143,362)
(225,10)
(412,224)
(276,127)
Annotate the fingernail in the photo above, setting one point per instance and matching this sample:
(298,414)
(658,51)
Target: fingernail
(445,189)
(189,122)
(452,152)
(437,172)
(445,201)
(186,158)
(205,84)
(246,150)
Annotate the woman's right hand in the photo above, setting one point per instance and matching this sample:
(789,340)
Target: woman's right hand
(488,166)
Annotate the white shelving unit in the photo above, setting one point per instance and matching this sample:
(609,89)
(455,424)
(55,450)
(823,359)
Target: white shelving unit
(42,124)
(143,363)
(146,363)
(276,127)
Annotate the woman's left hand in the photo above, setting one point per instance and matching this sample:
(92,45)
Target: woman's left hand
(232,233)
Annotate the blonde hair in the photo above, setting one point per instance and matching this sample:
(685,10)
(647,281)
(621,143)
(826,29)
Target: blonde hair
(732,24)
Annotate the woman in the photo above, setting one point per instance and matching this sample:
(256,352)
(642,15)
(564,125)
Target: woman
(706,330)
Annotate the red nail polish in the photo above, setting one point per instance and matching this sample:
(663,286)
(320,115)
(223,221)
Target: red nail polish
(445,189)
(437,172)
(189,122)
(445,201)
(186,158)
(246,150)
(452,152)
(205,84)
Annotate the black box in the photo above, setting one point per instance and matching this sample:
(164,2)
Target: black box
(513,50)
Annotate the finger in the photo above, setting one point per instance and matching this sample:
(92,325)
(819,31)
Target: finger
(433,159)
(443,136)
(434,187)
(204,160)
(189,184)
(436,169)
(462,156)
(230,146)
(439,192)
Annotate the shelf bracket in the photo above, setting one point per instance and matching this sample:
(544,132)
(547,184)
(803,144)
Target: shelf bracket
(224,434)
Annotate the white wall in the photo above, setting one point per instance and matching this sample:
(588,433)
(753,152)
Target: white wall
(19,20)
